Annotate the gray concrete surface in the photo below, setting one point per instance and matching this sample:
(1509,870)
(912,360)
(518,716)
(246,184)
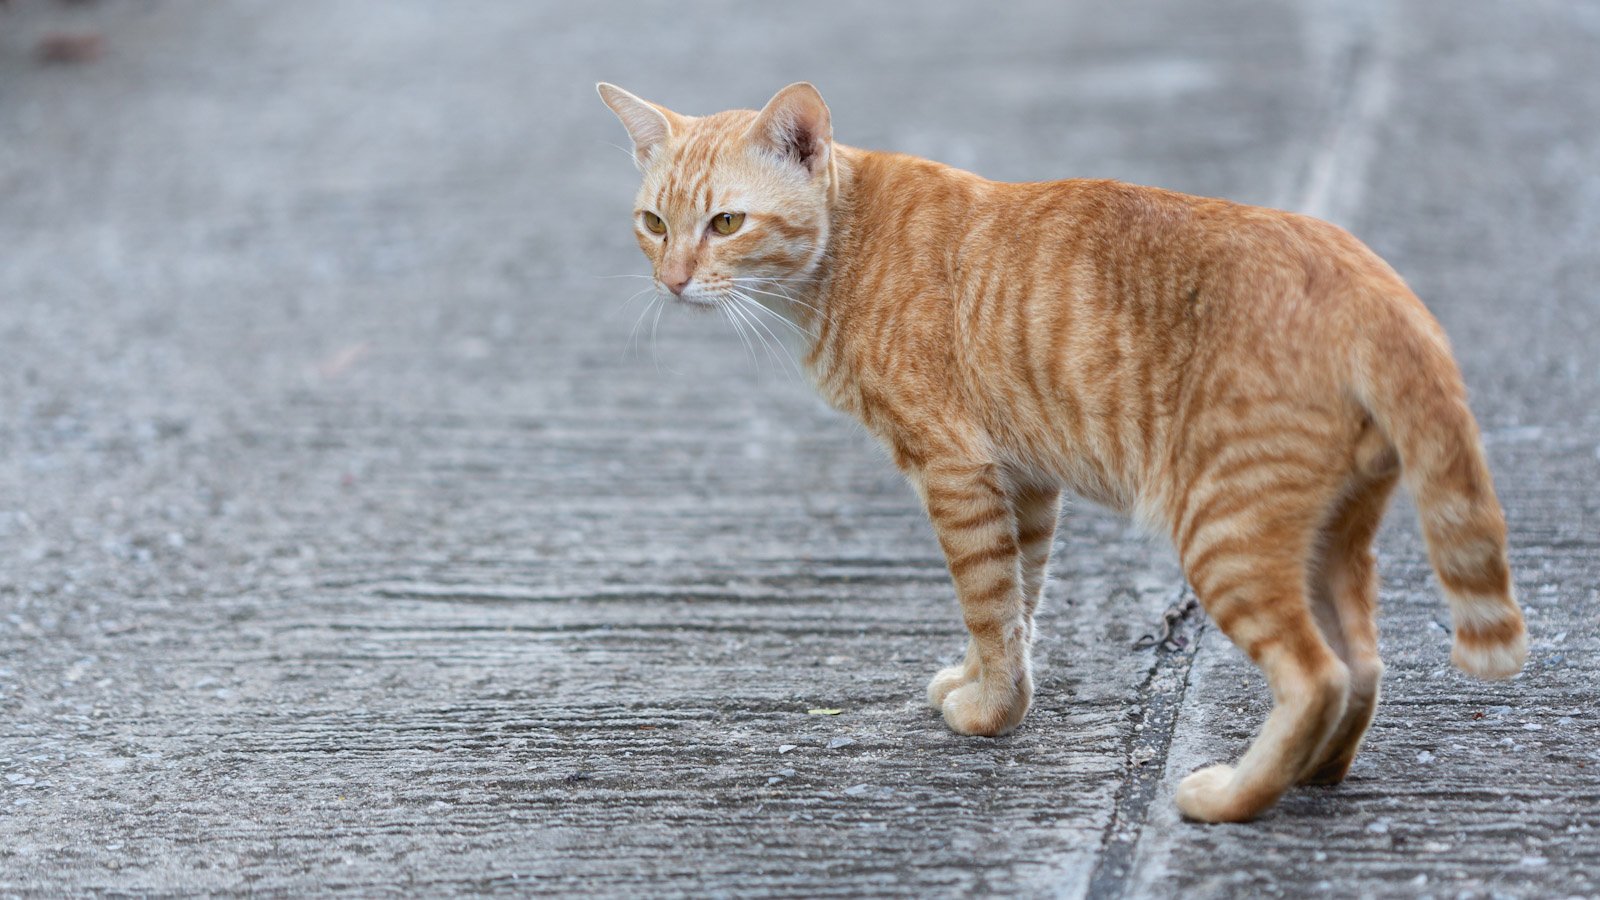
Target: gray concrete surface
(343,548)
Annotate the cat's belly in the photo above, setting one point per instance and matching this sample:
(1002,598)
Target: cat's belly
(1116,477)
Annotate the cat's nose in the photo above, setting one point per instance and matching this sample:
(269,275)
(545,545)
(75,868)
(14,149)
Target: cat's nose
(676,272)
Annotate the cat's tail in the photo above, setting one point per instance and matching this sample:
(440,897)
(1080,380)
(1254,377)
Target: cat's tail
(1408,381)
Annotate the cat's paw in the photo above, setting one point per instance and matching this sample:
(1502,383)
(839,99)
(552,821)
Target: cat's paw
(983,708)
(1208,796)
(947,680)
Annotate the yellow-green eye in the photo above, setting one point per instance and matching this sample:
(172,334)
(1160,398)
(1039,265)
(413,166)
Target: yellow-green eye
(727,223)
(654,224)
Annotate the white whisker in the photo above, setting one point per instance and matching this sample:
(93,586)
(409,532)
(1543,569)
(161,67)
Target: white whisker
(792,326)
(739,330)
(654,326)
(767,348)
(625,150)
(742,299)
(633,333)
(628,302)
(745,283)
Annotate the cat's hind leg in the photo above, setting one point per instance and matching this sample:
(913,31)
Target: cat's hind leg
(977,528)
(1037,509)
(1245,549)
(1345,601)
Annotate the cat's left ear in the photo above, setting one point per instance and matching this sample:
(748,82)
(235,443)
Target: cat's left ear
(796,125)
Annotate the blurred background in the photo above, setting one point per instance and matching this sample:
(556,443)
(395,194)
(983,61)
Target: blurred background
(351,538)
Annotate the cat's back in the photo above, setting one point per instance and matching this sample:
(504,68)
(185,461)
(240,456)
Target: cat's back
(1105,223)
(1081,257)
(1178,258)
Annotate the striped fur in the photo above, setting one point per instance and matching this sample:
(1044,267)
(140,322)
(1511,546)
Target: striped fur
(1250,382)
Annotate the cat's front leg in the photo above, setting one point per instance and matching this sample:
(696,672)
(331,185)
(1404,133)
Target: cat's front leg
(977,528)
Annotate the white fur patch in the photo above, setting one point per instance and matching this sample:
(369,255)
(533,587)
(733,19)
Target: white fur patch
(1480,612)
(1492,661)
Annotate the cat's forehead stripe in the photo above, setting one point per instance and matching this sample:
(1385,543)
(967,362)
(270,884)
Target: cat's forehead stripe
(693,166)
(702,184)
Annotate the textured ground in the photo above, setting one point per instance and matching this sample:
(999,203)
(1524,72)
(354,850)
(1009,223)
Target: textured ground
(344,547)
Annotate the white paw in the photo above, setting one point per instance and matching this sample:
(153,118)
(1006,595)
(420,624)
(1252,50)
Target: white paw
(947,680)
(980,707)
(1206,795)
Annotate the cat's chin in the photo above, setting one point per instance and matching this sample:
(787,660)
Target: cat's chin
(698,303)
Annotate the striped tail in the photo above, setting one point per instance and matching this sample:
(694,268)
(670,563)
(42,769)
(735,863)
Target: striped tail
(1409,382)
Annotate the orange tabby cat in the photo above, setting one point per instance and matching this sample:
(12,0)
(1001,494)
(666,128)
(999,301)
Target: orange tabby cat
(1250,382)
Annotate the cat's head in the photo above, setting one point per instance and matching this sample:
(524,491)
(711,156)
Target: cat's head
(736,195)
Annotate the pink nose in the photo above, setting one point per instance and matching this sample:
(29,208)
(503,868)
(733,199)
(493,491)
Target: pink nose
(676,285)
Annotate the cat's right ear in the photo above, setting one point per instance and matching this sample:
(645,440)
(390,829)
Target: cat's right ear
(795,124)
(648,124)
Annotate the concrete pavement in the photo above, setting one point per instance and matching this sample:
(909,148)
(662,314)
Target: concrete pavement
(345,547)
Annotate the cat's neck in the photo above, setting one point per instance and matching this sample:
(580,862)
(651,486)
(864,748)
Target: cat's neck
(876,201)
(814,290)
(873,202)
(805,296)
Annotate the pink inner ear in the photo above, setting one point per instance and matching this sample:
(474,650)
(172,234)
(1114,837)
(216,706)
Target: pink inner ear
(796,125)
(798,139)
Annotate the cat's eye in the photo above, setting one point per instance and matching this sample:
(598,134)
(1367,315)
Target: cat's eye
(653,223)
(727,223)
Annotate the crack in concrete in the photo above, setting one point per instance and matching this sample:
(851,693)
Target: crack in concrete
(1164,688)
